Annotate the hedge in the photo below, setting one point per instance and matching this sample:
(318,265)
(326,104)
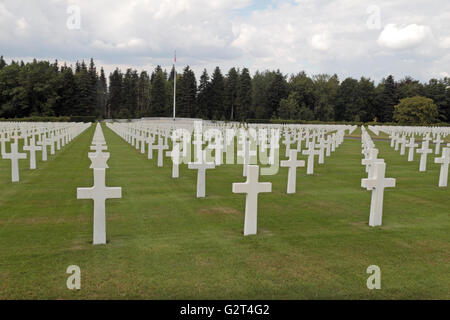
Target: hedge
(358,123)
(53,119)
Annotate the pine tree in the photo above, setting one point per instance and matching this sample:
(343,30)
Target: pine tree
(159,97)
(67,92)
(115,94)
(2,63)
(276,91)
(143,96)
(388,100)
(231,93)
(244,96)
(186,101)
(216,101)
(203,97)
(92,89)
(102,95)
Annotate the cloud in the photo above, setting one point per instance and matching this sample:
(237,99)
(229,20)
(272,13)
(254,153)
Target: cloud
(317,36)
(320,41)
(410,36)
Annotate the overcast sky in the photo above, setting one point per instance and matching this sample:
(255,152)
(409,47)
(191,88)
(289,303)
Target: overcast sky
(347,37)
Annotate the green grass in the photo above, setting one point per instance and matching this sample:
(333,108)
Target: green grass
(166,244)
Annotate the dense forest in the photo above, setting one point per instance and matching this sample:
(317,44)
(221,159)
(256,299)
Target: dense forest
(42,88)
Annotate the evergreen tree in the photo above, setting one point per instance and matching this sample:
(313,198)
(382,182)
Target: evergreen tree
(348,101)
(203,97)
(276,91)
(102,95)
(159,97)
(2,63)
(326,88)
(67,93)
(186,101)
(93,86)
(387,100)
(115,94)
(244,96)
(143,96)
(230,93)
(216,104)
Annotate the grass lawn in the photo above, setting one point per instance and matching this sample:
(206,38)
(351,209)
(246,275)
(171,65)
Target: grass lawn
(166,244)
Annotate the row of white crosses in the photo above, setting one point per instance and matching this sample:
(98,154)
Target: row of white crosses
(376,180)
(48,134)
(251,143)
(99,192)
(399,141)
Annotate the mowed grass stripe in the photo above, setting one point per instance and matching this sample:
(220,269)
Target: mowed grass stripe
(166,244)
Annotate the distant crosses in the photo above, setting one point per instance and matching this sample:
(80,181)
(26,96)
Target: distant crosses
(424,151)
(3,139)
(287,142)
(292,164)
(150,140)
(175,154)
(14,156)
(32,148)
(377,183)
(99,193)
(371,161)
(321,146)
(411,145)
(44,144)
(246,153)
(311,152)
(252,188)
(437,143)
(403,145)
(201,168)
(444,161)
(160,147)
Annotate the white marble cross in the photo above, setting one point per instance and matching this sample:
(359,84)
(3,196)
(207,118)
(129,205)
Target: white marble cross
(411,145)
(424,151)
(99,147)
(376,184)
(14,156)
(32,148)
(3,139)
(444,161)
(287,142)
(175,154)
(311,152)
(99,193)
(370,162)
(201,168)
(246,153)
(150,140)
(321,146)
(292,164)
(252,188)
(438,142)
(160,147)
(98,160)
(403,145)
(44,144)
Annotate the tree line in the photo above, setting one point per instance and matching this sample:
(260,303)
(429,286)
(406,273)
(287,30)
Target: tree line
(42,88)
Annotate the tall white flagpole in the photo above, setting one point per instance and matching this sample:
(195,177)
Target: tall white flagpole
(174,85)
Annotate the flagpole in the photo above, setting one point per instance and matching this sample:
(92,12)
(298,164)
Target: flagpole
(174,85)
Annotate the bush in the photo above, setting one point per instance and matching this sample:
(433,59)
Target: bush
(83,118)
(38,119)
